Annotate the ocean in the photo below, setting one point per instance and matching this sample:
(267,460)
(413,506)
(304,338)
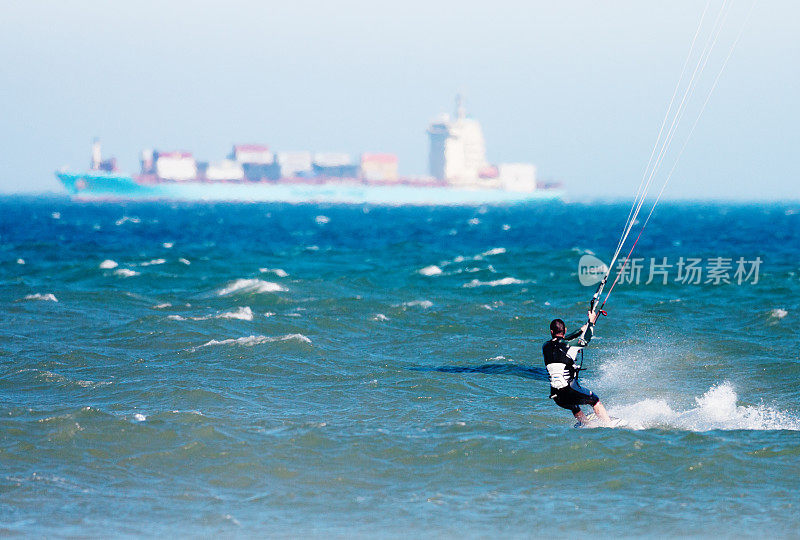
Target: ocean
(359,371)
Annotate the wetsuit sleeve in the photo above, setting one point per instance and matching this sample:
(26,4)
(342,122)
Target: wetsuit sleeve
(577,333)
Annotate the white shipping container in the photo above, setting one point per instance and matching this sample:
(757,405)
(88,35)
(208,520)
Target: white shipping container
(332,159)
(293,163)
(177,168)
(253,154)
(225,170)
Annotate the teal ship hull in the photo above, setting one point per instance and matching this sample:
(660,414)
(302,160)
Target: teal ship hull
(97,185)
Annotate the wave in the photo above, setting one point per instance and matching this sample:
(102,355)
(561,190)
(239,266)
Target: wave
(778,313)
(250,286)
(153,262)
(250,341)
(48,297)
(425,304)
(478,257)
(495,283)
(244,313)
(716,409)
(277,271)
(125,219)
(493,251)
(431,270)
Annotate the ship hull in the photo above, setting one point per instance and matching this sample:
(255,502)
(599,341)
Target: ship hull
(112,186)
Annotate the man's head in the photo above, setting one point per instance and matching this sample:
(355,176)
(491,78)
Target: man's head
(557,328)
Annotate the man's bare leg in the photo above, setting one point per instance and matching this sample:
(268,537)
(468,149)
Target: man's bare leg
(601,412)
(581,417)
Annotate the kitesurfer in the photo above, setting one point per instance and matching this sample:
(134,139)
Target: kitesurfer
(559,358)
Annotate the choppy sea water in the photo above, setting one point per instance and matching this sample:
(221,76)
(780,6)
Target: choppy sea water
(250,370)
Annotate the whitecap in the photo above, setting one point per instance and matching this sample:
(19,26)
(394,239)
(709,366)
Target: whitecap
(250,341)
(56,215)
(250,286)
(495,283)
(431,270)
(425,304)
(184,261)
(506,227)
(108,264)
(162,306)
(49,297)
(167,245)
(153,262)
(779,313)
(380,317)
(124,219)
(474,221)
(322,220)
(494,251)
(277,271)
(243,314)
(139,417)
(20,261)
(125,272)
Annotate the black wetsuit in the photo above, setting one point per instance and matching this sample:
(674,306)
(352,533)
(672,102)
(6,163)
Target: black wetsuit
(559,358)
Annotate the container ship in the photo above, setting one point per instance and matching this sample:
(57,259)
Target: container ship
(459,175)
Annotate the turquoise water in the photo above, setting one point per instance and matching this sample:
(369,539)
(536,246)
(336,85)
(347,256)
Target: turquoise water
(250,370)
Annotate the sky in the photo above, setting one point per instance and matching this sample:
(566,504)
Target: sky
(580,88)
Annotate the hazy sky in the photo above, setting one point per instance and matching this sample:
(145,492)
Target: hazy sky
(579,88)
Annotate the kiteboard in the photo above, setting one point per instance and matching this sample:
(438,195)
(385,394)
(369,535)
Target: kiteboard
(592,421)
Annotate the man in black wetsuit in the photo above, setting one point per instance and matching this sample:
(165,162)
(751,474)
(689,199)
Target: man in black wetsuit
(559,358)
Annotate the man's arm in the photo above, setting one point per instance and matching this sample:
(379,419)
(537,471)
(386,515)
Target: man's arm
(586,330)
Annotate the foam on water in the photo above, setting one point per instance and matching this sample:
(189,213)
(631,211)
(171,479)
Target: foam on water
(495,283)
(425,304)
(494,251)
(715,409)
(431,270)
(277,271)
(779,313)
(244,313)
(250,341)
(250,286)
(48,297)
(126,219)
(153,262)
